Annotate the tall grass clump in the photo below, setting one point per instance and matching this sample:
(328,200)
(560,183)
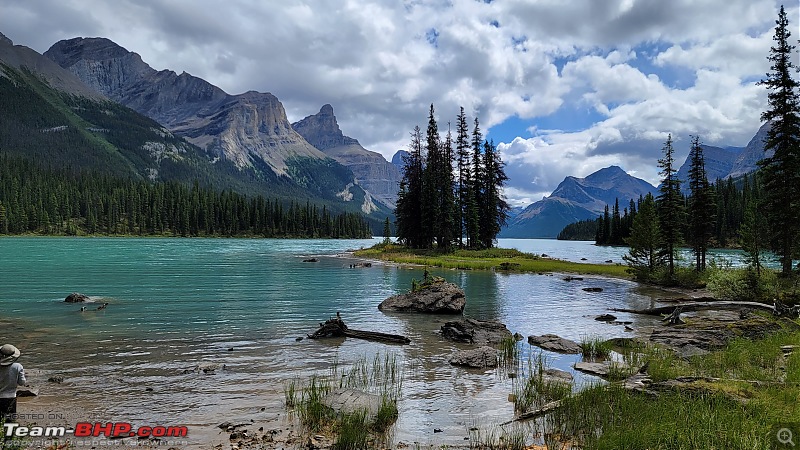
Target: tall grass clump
(381,376)
(536,389)
(593,347)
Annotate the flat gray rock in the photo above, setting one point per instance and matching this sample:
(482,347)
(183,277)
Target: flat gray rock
(349,401)
(554,343)
(600,369)
(557,375)
(479,358)
(439,297)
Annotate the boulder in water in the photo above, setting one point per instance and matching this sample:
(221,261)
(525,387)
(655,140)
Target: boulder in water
(472,331)
(76,297)
(438,297)
(479,358)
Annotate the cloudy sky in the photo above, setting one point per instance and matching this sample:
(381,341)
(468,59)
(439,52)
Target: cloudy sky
(565,87)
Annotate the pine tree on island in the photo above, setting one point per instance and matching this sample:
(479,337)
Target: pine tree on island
(439,208)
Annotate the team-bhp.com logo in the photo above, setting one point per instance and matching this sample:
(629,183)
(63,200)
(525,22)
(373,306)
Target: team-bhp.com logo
(96,429)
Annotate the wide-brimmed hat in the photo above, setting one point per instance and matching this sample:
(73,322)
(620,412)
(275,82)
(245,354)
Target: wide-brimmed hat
(8,354)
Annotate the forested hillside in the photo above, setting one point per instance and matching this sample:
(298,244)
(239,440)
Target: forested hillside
(64,202)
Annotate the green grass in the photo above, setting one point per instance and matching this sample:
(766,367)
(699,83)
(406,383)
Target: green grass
(510,260)
(593,347)
(383,376)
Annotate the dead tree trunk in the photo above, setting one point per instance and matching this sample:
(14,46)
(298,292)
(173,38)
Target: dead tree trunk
(337,328)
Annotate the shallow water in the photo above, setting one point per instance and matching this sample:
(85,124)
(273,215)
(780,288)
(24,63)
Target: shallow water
(178,303)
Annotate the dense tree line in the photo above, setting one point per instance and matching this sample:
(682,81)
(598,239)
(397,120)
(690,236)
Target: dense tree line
(36,200)
(439,207)
(765,213)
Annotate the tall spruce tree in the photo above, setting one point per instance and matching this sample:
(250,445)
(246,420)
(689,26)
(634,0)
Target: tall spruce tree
(447,191)
(702,207)
(495,208)
(781,171)
(431,208)
(645,254)
(670,207)
(409,202)
(464,187)
(475,201)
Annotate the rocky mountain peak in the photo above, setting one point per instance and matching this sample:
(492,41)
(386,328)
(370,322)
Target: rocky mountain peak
(4,40)
(322,131)
(101,63)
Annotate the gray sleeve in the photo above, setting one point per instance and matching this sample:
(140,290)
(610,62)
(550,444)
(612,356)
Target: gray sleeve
(21,377)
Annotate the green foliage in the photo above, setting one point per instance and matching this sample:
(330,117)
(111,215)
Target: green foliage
(743,284)
(582,230)
(645,254)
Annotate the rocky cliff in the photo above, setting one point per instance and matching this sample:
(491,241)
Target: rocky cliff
(376,175)
(249,129)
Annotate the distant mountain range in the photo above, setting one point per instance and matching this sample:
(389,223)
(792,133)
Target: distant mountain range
(576,199)
(585,198)
(193,130)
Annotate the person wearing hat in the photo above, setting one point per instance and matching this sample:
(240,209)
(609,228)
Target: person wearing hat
(11,376)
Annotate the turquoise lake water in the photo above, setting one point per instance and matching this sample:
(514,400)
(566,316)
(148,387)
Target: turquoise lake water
(175,304)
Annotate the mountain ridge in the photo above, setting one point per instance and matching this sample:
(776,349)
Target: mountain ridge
(376,175)
(576,199)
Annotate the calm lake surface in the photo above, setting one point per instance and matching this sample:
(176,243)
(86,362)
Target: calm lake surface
(179,303)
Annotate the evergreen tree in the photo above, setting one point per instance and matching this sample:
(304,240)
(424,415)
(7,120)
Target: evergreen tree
(464,186)
(494,214)
(387,232)
(451,223)
(645,254)
(409,202)
(702,208)
(475,200)
(781,171)
(432,213)
(670,207)
(753,237)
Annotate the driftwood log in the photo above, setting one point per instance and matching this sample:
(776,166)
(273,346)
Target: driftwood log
(673,313)
(337,328)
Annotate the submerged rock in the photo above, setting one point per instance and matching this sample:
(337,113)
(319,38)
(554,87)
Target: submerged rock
(600,369)
(472,331)
(439,297)
(606,318)
(311,260)
(593,289)
(553,374)
(76,297)
(479,358)
(554,343)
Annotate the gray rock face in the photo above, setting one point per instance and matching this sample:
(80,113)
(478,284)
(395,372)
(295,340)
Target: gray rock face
(397,160)
(471,331)
(249,129)
(554,343)
(479,358)
(437,298)
(747,161)
(718,163)
(376,175)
